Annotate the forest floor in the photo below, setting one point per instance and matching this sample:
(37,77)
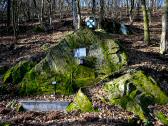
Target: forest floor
(141,56)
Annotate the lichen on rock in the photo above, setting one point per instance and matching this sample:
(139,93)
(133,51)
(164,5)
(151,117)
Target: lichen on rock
(81,102)
(104,57)
(134,92)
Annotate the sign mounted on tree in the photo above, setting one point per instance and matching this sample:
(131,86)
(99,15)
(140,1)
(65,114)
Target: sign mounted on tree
(90,22)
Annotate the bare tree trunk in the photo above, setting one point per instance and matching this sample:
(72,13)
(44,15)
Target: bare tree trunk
(138,10)
(34,2)
(131,11)
(150,11)
(146,23)
(50,12)
(8,13)
(127,7)
(14,4)
(94,7)
(78,14)
(164,35)
(28,10)
(101,17)
(42,13)
(74,11)
(61,2)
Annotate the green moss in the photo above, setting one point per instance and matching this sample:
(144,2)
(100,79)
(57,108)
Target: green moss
(81,38)
(5,124)
(114,58)
(135,92)
(162,118)
(149,86)
(81,102)
(16,73)
(8,76)
(19,108)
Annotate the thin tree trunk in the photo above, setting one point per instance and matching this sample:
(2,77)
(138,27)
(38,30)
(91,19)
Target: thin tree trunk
(74,11)
(14,19)
(42,13)
(50,12)
(34,2)
(164,35)
(127,7)
(94,7)
(78,14)
(61,2)
(8,12)
(131,11)
(28,10)
(146,22)
(101,17)
(138,11)
(150,11)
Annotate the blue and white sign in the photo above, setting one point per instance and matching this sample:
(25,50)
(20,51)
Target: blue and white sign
(90,22)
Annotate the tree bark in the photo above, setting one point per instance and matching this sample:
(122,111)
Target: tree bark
(146,22)
(50,12)
(101,17)
(42,13)
(127,7)
(8,13)
(61,3)
(14,4)
(94,7)
(131,11)
(164,35)
(78,15)
(74,11)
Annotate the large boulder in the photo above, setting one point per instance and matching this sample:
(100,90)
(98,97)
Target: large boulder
(134,92)
(103,58)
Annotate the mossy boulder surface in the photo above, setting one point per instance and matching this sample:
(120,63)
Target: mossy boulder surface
(162,117)
(103,57)
(16,73)
(81,102)
(134,92)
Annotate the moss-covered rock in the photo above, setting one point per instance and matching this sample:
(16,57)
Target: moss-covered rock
(81,102)
(16,73)
(134,92)
(162,118)
(104,57)
(112,26)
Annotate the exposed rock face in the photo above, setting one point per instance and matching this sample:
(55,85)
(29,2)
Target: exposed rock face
(81,102)
(135,92)
(103,58)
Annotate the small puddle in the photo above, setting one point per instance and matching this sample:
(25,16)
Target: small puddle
(34,105)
